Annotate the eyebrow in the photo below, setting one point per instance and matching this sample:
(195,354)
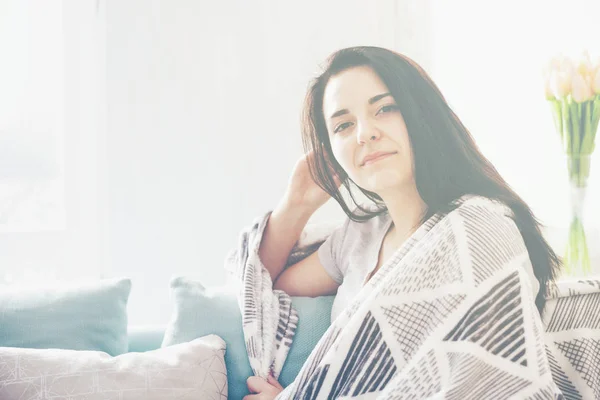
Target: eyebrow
(372,100)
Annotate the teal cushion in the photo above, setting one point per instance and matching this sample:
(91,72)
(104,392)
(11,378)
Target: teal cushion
(145,338)
(91,316)
(199,312)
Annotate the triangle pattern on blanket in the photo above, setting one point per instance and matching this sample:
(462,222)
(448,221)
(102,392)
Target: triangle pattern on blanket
(540,349)
(429,269)
(421,382)
(484,226)
(473,378)
(250,315)
(368,366)
(412,322)
(586,316)
(495,322)
(311,376)
(561,379)
(584,356)
(546,393)
(312,387)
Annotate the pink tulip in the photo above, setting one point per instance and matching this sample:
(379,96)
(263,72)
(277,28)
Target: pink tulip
(560,84)
(580,88)
(596,82)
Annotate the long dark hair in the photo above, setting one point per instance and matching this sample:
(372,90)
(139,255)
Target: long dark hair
(447,162)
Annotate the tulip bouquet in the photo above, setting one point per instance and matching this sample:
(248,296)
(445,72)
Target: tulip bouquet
(573,91)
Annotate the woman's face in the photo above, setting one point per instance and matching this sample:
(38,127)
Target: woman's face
(363,119)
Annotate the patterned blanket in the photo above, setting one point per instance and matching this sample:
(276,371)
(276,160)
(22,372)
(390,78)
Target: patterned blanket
(451,315)
(572,337)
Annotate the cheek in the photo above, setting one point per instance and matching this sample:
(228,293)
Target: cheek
(403,143)
(343,155)
(408,166)
(409,158)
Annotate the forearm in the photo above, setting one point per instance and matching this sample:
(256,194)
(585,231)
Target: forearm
(283,230)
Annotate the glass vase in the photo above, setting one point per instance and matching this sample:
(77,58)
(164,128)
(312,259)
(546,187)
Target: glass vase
(576,258)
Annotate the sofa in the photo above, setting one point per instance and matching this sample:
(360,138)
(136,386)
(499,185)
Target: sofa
(76,340)
(56,343)
(145,338)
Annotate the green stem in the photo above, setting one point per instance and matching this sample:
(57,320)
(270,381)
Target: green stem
(576,131)
(566,125)
(557,116)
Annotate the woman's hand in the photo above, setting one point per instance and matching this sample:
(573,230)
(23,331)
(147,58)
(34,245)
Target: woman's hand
(302,190)
(263,389)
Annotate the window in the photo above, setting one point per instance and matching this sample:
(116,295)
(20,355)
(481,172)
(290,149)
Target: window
(31,117)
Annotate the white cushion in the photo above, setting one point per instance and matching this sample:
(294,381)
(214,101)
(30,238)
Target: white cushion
(192,370)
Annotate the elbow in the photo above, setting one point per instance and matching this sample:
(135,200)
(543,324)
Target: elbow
(277,284)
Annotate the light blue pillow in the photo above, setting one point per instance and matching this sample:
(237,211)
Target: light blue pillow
(91,316)
(199,312)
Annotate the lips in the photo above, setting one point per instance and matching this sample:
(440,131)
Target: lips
(374,157)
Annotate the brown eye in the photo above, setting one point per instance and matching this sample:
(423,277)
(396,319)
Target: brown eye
(341,127)
(388,108)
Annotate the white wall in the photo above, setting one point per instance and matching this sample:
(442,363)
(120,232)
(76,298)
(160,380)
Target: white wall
(181,121)
(487,59)
(204,103)
(175,122)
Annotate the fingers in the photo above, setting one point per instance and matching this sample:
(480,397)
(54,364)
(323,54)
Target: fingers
(257,384)
(271,380)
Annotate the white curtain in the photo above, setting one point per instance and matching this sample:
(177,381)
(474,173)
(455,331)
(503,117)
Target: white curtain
(31,116)
(52,103)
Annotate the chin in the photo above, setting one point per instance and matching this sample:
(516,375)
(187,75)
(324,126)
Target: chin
(384,181)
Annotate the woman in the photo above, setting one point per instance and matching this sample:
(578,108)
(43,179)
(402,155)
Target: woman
(375,120)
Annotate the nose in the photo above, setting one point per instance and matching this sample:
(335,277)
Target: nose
(367,131)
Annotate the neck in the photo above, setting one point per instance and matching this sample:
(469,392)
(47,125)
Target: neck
(406,208)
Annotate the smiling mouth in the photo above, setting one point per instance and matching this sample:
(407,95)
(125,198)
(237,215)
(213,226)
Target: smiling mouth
(374,160)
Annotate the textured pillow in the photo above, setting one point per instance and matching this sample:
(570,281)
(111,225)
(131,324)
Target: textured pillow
(192,371)
(200,312)
(91,316)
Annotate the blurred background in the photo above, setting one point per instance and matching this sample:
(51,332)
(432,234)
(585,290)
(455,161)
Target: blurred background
(138,137)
